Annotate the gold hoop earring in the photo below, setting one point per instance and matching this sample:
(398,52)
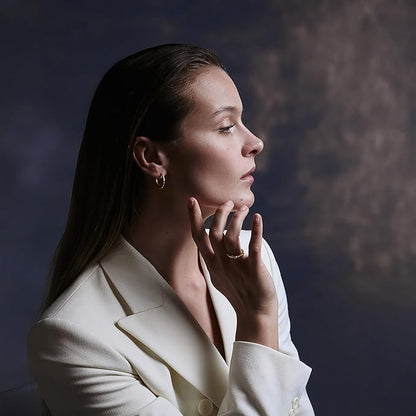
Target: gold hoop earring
(161,181)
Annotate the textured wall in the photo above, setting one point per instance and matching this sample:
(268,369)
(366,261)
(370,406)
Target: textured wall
(330,86)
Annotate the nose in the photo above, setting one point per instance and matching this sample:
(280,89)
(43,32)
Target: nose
(253,144)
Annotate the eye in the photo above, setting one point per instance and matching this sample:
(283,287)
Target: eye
(226,129)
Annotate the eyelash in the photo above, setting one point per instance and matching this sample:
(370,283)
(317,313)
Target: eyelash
(226,129)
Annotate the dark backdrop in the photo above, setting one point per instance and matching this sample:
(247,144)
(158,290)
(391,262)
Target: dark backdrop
(329,85)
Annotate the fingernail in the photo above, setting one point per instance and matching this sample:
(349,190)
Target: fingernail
(256,218)
(191,203)
(229,204)
(244,208)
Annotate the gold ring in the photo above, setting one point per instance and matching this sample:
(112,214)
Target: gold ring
(235,256)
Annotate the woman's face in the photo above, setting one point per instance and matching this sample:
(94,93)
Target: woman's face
(213,158)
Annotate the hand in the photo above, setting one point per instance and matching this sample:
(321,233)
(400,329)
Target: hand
(244,281)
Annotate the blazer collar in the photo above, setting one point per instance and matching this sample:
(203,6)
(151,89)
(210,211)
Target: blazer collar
(225,313)
(157,318)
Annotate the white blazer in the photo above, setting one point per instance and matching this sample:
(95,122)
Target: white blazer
(119,342)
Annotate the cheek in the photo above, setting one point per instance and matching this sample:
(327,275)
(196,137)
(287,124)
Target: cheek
(203,173)
(208,168)
(217,167)
(211,159)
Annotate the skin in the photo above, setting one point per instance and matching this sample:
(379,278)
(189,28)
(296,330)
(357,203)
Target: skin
(207,174)
(214,149)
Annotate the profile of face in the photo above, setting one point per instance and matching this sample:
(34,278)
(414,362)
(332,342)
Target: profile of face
(214,155)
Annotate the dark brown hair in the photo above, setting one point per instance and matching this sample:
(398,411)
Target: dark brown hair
(145,94)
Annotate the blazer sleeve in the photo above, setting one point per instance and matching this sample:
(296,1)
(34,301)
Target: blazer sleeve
(80,374)
(264,381)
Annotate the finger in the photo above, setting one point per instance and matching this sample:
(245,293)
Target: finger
(216,232)
(198,230)
(231,238)
(256,238)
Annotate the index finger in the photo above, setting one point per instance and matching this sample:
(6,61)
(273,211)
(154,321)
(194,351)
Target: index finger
(198,230)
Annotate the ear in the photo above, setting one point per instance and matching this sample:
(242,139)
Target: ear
(150,157)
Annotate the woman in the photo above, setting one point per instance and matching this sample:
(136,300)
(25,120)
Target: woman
(147,313)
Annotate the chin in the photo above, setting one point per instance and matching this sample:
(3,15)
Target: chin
(247,200)
(209,208)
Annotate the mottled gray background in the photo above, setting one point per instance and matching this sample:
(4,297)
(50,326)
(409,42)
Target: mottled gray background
(329,85)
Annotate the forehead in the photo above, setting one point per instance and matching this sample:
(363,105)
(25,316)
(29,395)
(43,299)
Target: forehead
(212,90)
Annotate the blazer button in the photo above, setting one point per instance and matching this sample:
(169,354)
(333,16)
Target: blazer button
(295,403)
(205,407)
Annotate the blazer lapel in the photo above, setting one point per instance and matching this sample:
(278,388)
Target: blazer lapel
(226,316)
(158,319)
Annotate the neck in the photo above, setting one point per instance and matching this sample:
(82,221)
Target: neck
(162,233)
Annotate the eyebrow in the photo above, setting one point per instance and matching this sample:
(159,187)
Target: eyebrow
(226,108)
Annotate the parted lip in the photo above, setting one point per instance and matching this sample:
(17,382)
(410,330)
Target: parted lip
(249,172)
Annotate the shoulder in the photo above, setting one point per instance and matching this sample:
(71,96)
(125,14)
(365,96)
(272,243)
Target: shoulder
(80,285)
(78,320)
(89,301)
